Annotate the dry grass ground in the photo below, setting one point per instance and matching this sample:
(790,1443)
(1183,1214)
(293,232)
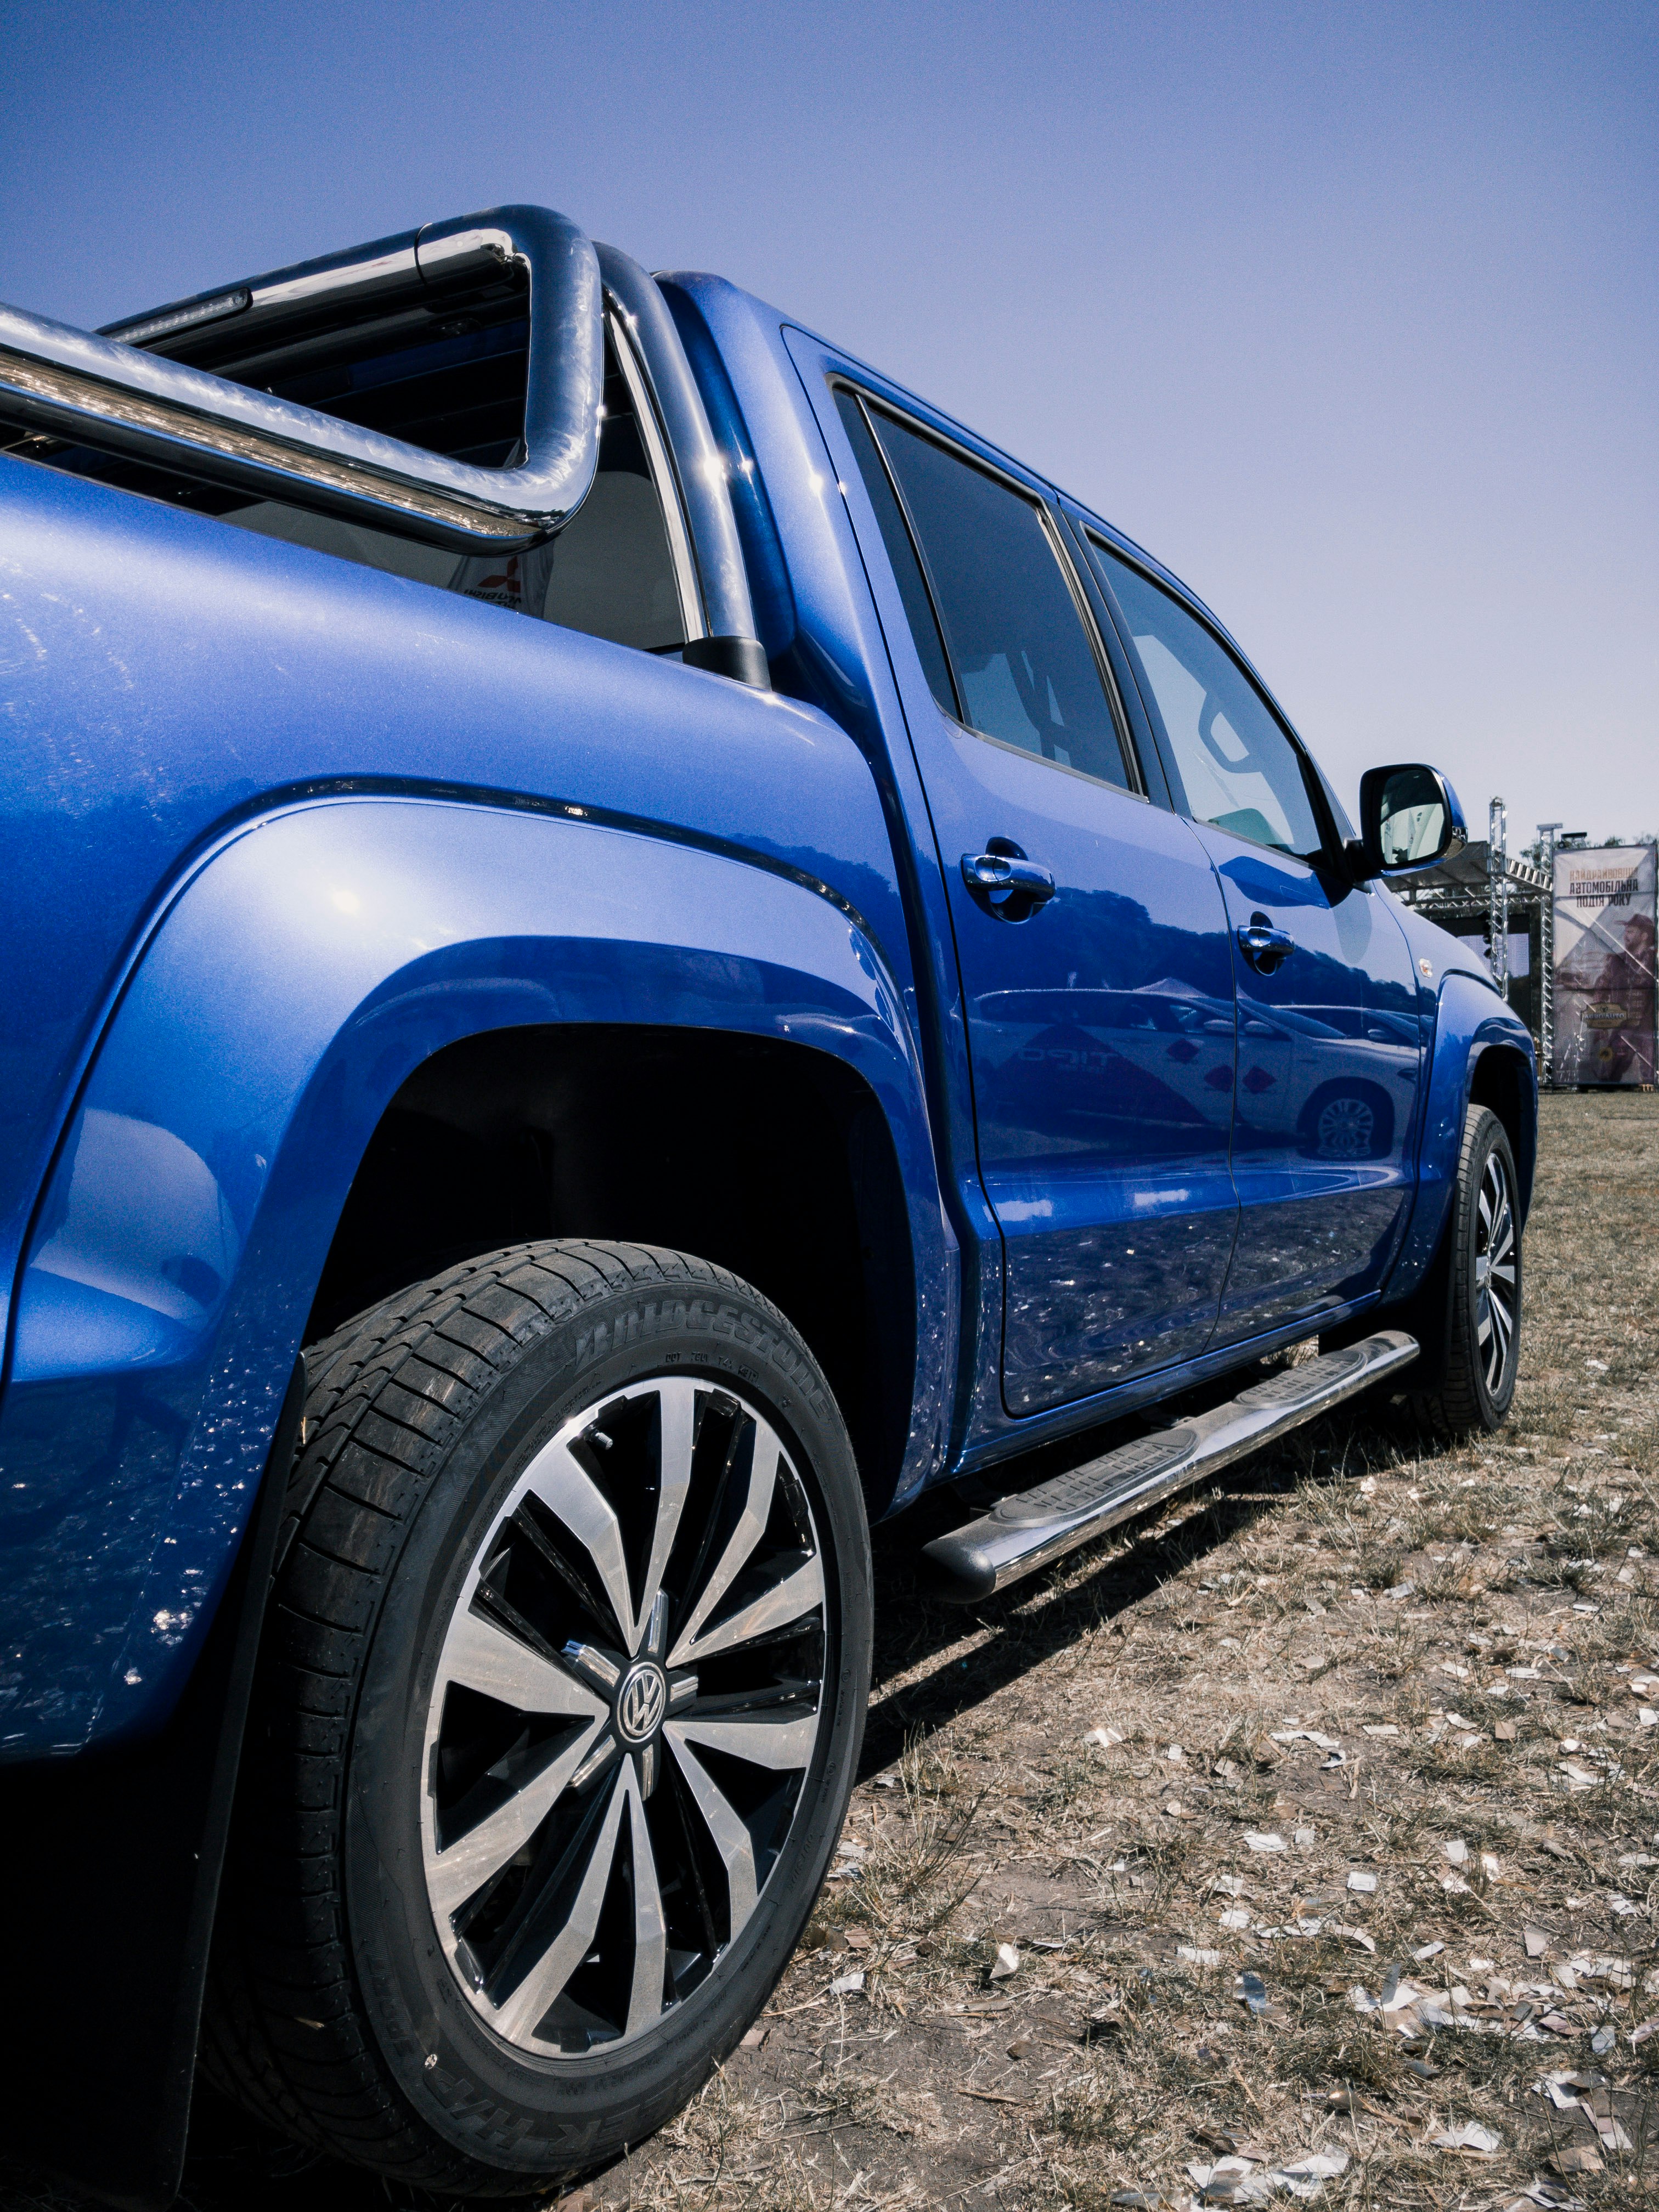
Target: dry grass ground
(1420,1671)
(1468,1629)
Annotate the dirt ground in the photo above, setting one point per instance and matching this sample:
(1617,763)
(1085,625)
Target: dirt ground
(1298,1840)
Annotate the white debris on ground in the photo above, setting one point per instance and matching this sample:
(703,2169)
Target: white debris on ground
(1321,1823)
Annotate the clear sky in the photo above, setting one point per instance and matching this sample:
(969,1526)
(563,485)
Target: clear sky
(1348,313)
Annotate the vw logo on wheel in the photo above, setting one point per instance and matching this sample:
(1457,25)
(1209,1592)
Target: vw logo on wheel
(641,1703)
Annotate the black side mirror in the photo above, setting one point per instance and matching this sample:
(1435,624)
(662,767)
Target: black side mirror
(1409,818)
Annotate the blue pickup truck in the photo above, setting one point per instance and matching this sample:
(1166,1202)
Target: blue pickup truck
(623,947)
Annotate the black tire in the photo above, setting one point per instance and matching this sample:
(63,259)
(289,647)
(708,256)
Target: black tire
(1478,1356)
(333,2011)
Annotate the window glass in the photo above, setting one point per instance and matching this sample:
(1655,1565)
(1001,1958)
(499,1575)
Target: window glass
(1241,772)
(610,572)
(1025,671)
(896,537)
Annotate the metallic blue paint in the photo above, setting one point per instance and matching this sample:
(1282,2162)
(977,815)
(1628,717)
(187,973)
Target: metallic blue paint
(1098,1032)
(172,1264)
(1104,1106)
(833,643)
(1324,1123)
(1470,1019)
(1383,1013)
(275,828)
(1102,1035)
(169,676)
(223,675)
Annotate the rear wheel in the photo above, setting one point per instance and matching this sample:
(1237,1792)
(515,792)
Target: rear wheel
(1480,1343)
(559,1710)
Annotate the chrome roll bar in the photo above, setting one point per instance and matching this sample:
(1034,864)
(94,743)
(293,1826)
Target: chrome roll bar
(104,390)
(699,467)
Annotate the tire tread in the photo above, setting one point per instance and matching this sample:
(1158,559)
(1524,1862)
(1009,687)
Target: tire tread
(1457,1406)
(284,2031)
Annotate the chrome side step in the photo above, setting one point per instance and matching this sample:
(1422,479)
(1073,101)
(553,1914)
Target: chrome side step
(1024,1532)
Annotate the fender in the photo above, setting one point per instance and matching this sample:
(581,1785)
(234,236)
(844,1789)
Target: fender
(1469,1020)
(322,953)
(120,1855)
(170,679)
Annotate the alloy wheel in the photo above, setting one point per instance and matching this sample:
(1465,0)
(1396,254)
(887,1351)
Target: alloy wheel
(626,1704)
(1496,1282)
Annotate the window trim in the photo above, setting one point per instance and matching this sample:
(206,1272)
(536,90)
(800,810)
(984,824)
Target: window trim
(720,570)
(860,400)
(871,403)
(663,477)
(1330,844)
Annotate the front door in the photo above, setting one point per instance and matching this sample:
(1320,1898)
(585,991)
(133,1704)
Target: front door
(1101,1018)
(1329,1053)
(1328,1067)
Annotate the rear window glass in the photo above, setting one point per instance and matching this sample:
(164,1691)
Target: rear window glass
(995,619)
(454,386)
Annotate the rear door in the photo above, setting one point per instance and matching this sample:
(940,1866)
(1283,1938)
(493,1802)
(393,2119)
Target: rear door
(1101,1021)
(1328,1033)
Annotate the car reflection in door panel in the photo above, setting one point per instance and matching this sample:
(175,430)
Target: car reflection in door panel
(1168,1060)
(1137,1085)
(1348,1118)
(1347,1121)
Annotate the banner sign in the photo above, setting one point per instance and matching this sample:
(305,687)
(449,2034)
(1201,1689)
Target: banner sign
(1604,928)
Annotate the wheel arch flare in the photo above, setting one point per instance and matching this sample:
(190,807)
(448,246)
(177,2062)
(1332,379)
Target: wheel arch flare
(319,956)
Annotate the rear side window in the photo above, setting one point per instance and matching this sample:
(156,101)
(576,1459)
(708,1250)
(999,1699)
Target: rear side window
(1241,771)
(901,552)
(994,614)
(457,388)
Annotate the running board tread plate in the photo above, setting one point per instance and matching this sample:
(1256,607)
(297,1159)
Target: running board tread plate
(1026,1531)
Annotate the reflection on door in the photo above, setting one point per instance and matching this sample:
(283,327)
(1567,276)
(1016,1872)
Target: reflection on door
(1100,1007)
(1100,1032)
(1328,1067)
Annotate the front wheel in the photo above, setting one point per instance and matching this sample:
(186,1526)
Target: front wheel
(560,1706)
(1481,1348)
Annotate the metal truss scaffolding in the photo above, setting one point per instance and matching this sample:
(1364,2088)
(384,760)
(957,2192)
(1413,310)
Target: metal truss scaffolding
(1484,890)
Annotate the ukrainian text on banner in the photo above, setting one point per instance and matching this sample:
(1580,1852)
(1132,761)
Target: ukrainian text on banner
(1605,917)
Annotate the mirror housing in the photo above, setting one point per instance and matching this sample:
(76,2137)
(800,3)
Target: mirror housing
(1409,819)
(116,391)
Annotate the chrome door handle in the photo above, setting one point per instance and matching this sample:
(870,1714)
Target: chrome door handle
(1007,883)
(1263,946)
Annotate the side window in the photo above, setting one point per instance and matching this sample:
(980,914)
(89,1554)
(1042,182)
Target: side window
(901,552)
(460,390)
(996,623)
(1241,772)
